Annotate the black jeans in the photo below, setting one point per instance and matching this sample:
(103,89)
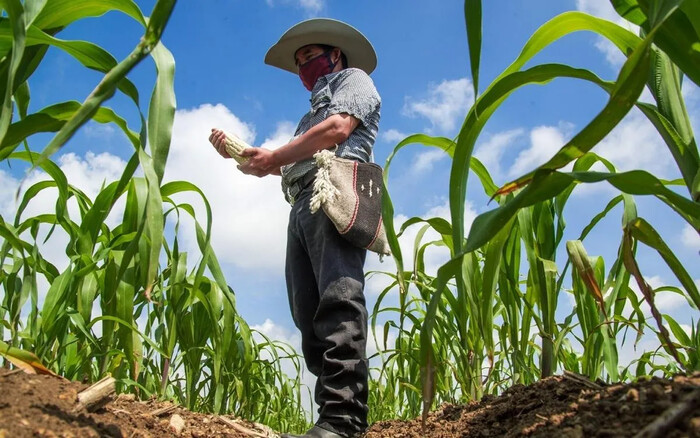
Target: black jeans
(325,282)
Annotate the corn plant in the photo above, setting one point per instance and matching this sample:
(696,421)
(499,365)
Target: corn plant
(487,320)
(130,302)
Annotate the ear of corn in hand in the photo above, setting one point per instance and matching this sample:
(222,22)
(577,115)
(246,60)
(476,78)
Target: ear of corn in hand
(234,147)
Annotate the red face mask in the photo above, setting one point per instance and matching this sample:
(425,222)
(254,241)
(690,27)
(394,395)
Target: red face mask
(311,70)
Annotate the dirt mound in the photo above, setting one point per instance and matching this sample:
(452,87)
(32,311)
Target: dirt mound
(44,406)
(561,406)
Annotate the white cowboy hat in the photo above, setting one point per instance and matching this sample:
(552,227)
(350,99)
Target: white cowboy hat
(356,47)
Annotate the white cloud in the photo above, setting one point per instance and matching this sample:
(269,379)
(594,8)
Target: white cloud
(690,238)
(599,8)
(434,256)
(92,172)
(633,144)
(446,103)
(100,130)
(424,161)
(603,9)
(545,141)
(690,91)
(88,174)
(490,153)
(249,213)
(7,195)
(276,332)
(310,7)
(665,301)
(636,144)
(393,135)
(283,133)
(612,54)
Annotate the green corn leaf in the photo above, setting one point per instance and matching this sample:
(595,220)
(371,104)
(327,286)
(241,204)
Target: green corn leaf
(484,176)
(610,356)
(162,109)
(22,98)
(61,13)
(579,259)
(642,231)
(546,185)
(25,360)
(104,202)
(546,270)
(152,220)
(388,207)
(628,251)
(54,307)
(15,11)
(665,85)
(678,332)
(437,223)
(684,152)
(203,237)
(509,81)
(678,35)
(53,118)
(32,10)
(107,86)
(491,270)
(29,194)
(56,175)
(160,15)
(88,54)
(627,89)
(132,327)
(472,16)
(445,273)
(86,295)
(630,11)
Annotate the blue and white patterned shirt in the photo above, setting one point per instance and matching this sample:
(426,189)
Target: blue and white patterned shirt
(349,91)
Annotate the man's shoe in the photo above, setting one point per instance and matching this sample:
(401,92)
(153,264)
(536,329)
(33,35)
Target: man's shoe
(314,432)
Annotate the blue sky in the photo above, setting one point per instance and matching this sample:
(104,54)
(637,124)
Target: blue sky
(424,80)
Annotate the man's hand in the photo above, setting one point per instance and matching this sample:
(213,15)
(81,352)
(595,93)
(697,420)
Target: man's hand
(218,140)
(261,162)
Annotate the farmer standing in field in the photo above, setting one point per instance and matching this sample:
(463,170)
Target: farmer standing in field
(324,272)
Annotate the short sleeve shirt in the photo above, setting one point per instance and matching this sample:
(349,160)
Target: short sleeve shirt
(350,91)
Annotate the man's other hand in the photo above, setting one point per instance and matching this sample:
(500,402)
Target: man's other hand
(261,162)
(218,140)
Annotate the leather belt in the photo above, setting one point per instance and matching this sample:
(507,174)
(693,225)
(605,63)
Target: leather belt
(300,185)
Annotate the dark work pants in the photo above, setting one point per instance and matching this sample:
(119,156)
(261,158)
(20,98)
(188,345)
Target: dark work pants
(325,282)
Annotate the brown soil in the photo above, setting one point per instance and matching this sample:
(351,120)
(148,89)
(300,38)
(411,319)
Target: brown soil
(44,406)
(560,406)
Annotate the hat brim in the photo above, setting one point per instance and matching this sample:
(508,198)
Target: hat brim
(356,47)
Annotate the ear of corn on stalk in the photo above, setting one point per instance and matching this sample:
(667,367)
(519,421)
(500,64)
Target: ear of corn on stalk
(234,147)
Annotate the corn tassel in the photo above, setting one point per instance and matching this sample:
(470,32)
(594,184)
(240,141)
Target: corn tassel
(234,147)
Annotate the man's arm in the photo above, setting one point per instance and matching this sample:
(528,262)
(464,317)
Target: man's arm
(330,132)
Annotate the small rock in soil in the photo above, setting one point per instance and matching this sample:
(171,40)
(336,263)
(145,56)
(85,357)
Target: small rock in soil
(632,395)
(177,424)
